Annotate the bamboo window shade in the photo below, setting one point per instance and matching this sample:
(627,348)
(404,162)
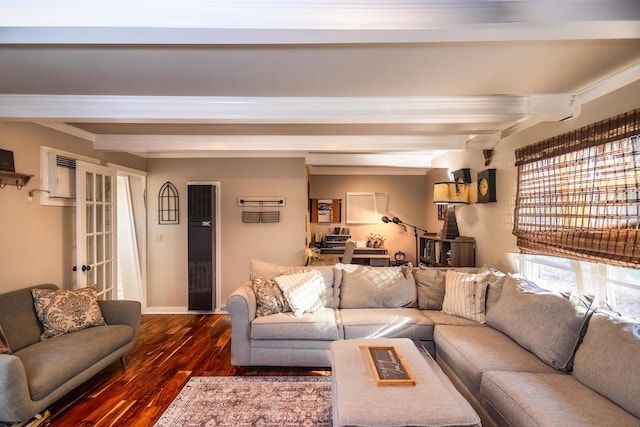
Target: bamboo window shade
(578,194)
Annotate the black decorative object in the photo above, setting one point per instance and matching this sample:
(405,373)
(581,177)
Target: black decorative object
(487,186)
(6,161)
(168,204)
(462,176)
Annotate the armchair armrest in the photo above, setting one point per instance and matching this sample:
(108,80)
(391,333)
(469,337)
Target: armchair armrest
(120,312)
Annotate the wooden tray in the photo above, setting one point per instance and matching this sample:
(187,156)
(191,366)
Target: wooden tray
(388,366)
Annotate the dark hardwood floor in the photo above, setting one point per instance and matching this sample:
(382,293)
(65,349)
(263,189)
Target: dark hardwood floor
(170,349)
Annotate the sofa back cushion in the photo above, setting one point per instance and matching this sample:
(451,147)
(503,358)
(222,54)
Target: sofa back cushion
(544,322)
(19,319)
(376,287)
(608,360)
(269,270)
(430,285)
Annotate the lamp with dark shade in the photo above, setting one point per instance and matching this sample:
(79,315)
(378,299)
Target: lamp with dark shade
(450,194)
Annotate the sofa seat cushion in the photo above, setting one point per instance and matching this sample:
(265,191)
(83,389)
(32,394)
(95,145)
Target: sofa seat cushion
(50,363)
(320,325)
(386,323)
(470,351)
(528,399)
(441,318)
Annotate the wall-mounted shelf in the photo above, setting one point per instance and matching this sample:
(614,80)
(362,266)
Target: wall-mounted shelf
(13,178)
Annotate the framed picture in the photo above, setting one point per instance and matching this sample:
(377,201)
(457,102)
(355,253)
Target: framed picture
(366,207)
(442,210)
(325,210)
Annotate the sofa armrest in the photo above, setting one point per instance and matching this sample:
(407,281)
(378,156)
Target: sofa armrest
(121,312)
(15,400)
(241,306)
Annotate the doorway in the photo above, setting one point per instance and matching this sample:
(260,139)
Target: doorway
(131,233)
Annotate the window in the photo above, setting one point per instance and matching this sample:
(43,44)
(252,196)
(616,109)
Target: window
(578,194)
(614,287)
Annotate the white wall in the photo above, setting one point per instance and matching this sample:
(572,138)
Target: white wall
(282,242)
(491,223)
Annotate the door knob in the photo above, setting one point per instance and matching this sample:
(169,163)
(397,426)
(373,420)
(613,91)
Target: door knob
(86,267)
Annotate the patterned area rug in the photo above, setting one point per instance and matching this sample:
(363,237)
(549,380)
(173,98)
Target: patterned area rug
(251,401)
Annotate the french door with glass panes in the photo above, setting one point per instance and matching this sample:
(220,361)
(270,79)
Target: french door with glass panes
(96,228)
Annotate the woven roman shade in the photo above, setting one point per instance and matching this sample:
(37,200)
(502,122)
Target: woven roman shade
(578,193)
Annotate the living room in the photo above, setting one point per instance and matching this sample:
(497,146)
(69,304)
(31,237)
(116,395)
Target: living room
(40,238)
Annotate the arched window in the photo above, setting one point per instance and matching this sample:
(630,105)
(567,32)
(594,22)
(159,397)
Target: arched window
(168,209)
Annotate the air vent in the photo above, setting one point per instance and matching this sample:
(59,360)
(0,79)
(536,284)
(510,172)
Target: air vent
(62,176)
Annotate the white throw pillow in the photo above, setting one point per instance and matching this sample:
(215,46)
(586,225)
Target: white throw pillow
(465,296)
(302,291)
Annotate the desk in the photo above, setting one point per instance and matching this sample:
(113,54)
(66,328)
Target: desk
(374,260)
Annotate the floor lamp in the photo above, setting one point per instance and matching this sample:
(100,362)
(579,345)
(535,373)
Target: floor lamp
(450,194)
(397,220)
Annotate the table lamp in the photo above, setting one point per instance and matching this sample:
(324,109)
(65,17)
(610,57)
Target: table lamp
(450,194)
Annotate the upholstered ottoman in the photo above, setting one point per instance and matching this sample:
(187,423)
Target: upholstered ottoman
(358,400)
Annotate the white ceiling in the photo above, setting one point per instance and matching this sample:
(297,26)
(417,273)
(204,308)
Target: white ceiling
(342,83)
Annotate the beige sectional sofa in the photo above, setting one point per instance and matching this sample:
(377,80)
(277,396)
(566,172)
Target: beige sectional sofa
(515,351)
(35,369)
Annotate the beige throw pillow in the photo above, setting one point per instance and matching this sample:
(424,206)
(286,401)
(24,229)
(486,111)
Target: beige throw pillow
(63,311)
(465,296)
(269,270)
(302,291)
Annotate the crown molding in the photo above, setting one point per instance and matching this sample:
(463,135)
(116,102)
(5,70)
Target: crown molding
(308,21)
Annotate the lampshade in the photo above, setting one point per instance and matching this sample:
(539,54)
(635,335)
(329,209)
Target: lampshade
(450,192)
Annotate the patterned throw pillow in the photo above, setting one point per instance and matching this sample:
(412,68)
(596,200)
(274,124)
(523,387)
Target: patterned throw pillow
(269,297)
(302,291)
(465,296)
(63,311)
(4,343)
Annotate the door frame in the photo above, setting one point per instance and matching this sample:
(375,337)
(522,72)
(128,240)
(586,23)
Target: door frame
(142,249)
(218,238)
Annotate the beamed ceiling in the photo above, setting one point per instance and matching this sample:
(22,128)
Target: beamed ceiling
(340,83)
